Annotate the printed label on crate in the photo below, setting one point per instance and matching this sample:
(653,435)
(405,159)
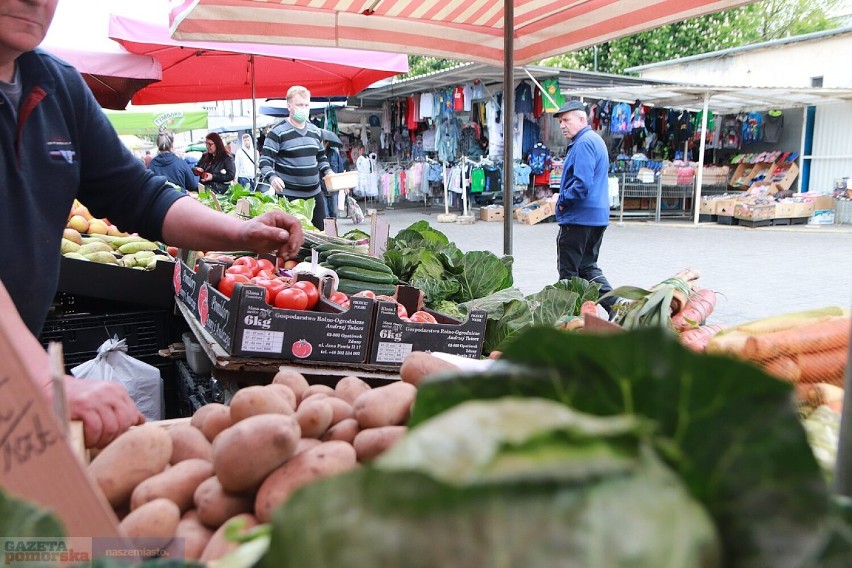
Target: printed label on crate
(293,334)
(187,287)
(262,341)
(463,339)
(217,320)
(393,352)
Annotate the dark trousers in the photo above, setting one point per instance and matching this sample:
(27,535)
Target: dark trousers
(330,204)
(577,248)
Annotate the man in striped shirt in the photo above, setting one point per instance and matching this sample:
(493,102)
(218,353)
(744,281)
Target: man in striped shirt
(293,158)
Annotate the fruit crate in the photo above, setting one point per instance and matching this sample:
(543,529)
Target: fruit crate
(81,334)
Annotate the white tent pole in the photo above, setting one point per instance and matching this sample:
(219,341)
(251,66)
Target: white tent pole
(509,106)
(254,123)
(699,177)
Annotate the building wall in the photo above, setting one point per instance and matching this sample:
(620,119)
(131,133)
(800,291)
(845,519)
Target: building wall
(787,65)
(832,149)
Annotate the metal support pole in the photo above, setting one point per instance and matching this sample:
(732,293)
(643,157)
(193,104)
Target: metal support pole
(699,177)
(508,132)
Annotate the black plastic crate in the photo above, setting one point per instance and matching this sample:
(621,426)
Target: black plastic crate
(194,390)
(81,335)
(727,220)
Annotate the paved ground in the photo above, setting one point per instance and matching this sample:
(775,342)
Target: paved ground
(758,272)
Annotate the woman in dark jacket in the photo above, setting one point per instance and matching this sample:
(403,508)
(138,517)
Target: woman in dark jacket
(216,167)
(170,166)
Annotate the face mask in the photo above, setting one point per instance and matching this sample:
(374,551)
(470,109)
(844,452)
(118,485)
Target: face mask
(300,114)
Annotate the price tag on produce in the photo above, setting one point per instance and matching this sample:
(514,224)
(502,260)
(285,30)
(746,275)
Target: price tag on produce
(37,464)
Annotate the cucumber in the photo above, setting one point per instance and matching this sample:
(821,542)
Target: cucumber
(335,247)
(348,286)
(365,275)
(360,261)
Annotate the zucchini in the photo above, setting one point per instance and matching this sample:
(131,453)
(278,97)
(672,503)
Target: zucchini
(365,275)
(348,286)
(358,260)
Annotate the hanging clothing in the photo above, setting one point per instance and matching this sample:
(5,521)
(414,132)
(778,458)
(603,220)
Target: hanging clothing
(523,98)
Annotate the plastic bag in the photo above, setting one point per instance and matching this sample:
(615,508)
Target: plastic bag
(142,381)
(353,210)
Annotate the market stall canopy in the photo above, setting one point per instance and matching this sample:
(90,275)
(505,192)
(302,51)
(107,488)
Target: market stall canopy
(149,122)
(113,74)
(278,107)
(468,30)
(195,71)
(722,100)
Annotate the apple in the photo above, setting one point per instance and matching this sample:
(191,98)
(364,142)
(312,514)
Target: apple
(290,264)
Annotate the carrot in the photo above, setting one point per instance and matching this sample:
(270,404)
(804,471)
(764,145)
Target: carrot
(817,367)
(697,309)
(697,338)
(826,335)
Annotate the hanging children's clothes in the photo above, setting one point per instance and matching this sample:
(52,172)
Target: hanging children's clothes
(540,160)
(620,119)
(773,126)
(523,98)
(521,172)
(752,126)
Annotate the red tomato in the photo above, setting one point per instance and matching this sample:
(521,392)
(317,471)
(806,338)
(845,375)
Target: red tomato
(340,299)
(310,290)
(423,317)
(240,269)
(272,287)
(269,275)
(365,294)
(291,299)
(228,281)
(249,261)
(266,264)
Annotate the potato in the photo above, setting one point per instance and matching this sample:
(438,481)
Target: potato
(214,505)
(284,392)
(306,444)
(198,418)
(327,459)
(219,546)
(254,400)
(217,419)
(194,534)
(245,453)
(293,379)
(418,365)
(345,431)
(189,442)
(314,417)
(350,388)
(177,483)
(156,519)
(314,389)
(371,442)
(131,458)
(385,406)
(341,409)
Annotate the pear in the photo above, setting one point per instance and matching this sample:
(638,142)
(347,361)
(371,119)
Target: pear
(96,226)
(78,223)
(113,231)
(102,257)
(69,246)
(93,247)
(75,256)
(73,235)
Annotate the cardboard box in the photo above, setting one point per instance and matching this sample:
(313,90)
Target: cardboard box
(393,338)
(820,202)
(751,212)
(726,207)
(245,325)
(783,175)
(343,180)
(490,213)
(536,212)
(822,217)
(111,282)
(792,209)
(632,203)
(708,206)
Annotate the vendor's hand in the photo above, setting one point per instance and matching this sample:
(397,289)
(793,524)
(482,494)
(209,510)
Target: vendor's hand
(274,230)
(104,407)
(277,184)
(206,176)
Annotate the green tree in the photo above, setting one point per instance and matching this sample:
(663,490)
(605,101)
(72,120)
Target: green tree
(420,65)
(761,21)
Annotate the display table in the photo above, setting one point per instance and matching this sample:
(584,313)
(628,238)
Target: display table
(234,372)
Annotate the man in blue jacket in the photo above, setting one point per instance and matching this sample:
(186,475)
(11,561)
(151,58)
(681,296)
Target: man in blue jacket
(582,210)
(57,145)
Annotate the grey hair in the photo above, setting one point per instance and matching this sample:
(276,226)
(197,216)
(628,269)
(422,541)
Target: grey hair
(165,141)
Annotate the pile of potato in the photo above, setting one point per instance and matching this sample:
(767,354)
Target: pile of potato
(245,459)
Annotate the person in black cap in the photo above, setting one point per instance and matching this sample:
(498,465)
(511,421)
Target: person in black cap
(582,209)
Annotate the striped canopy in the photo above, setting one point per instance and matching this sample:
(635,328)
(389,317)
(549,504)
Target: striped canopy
(470,30)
